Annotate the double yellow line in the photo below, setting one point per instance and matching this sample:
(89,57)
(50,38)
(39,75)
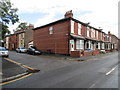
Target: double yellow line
(20,77)
(18,63)
(16,79)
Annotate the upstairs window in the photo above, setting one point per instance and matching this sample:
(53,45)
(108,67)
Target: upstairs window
(101,35)
(51,30)
(72,26)
(79,29)
(97,34)
(92,33)
(88,32)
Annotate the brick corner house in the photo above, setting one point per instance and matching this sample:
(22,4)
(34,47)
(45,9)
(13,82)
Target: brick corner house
(72,37)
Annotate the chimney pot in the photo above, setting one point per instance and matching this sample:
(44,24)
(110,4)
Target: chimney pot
(68,14)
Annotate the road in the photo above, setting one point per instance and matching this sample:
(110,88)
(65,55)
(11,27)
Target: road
(58,73)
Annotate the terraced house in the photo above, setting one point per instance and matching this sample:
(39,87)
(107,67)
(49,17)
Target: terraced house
(72,37)
(20,38)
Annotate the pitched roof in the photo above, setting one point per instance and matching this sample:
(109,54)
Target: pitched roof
(65,19)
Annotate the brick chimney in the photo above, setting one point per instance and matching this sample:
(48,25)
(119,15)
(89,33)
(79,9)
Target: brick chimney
(31,26)
(109,32)
(68,14)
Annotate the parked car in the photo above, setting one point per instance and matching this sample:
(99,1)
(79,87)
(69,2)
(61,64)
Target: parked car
(34,51)
(21,50)
(4,52)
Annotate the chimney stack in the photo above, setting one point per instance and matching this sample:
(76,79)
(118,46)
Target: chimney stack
(109,32)
(68,14)
(31,26)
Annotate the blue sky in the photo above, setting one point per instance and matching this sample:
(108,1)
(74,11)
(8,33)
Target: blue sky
(100,13)
(31,17)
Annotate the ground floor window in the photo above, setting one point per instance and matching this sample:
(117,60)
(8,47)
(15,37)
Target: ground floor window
(112,46)
(103,46)
(97,45)
(89,45)
(115,45)
(106,46)
(80,44)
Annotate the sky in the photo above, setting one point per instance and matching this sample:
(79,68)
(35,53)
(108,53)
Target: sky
(100,13)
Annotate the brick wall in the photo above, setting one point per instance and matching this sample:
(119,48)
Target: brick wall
(57,42)
(28,37)
(12,42)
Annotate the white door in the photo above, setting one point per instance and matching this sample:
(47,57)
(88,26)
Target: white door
(71,45)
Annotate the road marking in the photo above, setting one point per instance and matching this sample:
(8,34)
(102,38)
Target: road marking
(16,79)
(19,64)
(111,70)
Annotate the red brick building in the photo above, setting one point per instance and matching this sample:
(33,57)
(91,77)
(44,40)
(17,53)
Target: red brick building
(72,37)
(20,38)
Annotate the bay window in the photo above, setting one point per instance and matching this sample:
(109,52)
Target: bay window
(80,44)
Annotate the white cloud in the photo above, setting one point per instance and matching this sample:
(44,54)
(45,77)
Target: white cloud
(104,13)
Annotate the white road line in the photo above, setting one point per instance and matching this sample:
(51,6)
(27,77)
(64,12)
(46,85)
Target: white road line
(111,70)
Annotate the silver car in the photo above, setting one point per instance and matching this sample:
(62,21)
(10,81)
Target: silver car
(21,50)
(4,52)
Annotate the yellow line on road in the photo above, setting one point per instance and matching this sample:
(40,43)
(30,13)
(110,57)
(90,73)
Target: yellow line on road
(15,79)
(18,63)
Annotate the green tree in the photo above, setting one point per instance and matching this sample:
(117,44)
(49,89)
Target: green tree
(7,16)
(22,26)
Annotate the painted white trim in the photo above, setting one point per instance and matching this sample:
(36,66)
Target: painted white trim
(79,29)
(72,45)
(72,26)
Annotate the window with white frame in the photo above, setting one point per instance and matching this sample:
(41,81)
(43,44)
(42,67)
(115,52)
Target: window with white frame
(79,29)
(110,39)
(101,35)
(72,26)
(92,33)
(107,38)
(103,46)
(98,45)
(97,34)
(88,32)
(51,30)
(80,44)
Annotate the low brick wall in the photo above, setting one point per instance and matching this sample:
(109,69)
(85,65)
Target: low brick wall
(114,50)
(108,51)
(84,53)
(88,53)
(96,52)
(75,54)
(79,53)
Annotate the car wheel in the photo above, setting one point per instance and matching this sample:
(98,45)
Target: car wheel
(7,56)
(33,53)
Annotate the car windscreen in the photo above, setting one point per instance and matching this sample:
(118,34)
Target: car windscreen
(2,49)
(22,48)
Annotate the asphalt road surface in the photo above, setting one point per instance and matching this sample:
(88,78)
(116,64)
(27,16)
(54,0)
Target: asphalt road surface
(58,73)
(10,69)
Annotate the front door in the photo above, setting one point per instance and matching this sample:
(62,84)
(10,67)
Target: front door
(72,45)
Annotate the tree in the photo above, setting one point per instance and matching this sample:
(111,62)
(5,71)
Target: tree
(8,16)
(22,26)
